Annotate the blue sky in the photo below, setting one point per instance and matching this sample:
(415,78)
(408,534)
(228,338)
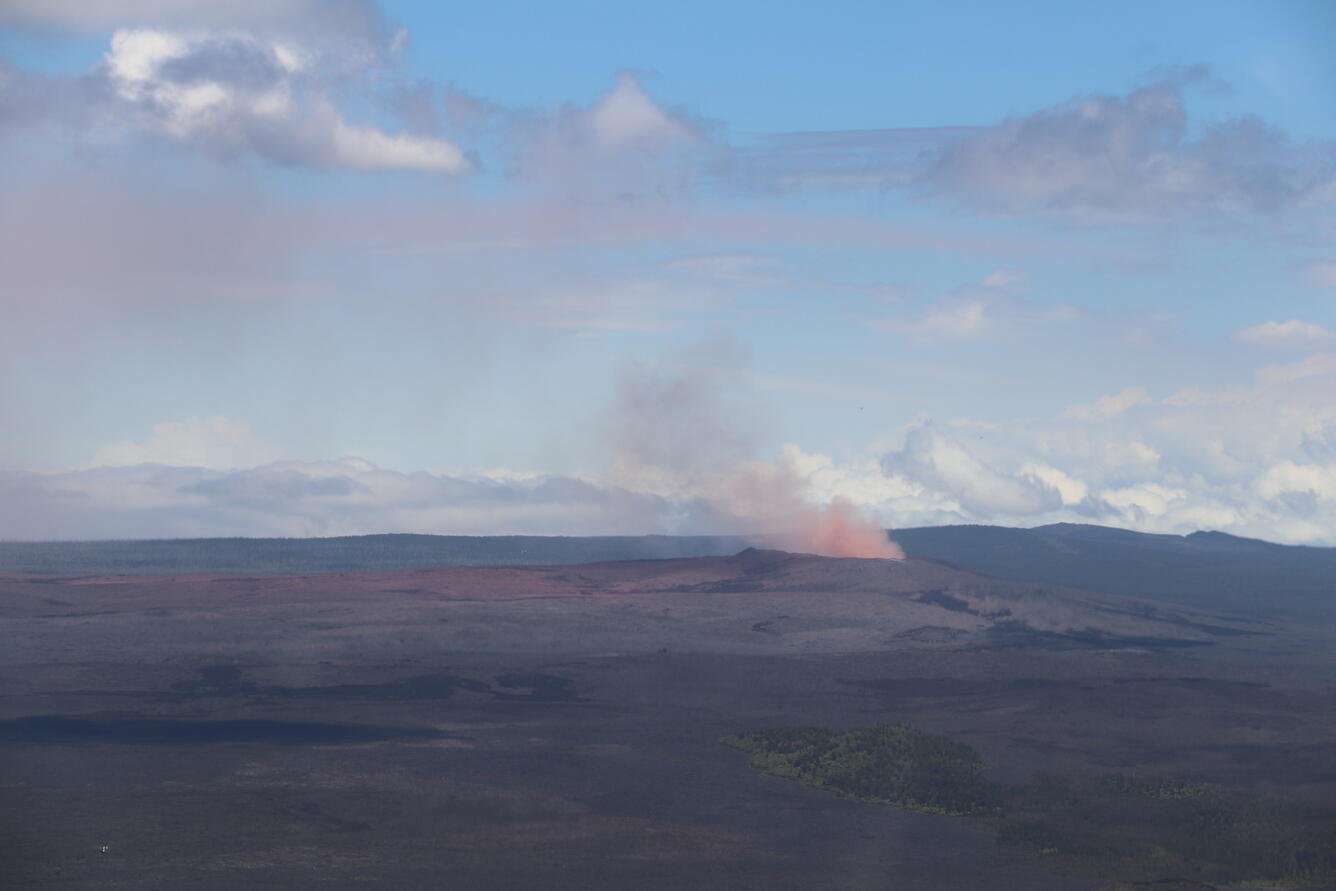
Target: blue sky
(331,266)
(759,67)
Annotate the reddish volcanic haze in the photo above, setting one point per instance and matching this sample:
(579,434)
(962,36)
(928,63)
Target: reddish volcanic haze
(689,426)
(839,529)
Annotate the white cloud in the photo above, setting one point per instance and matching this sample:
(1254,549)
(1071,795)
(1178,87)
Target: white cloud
(966,319)
(626,117)
(1150,499)
(366,148)
(1288,477)
(985,308)
(1320,365)
(1071,490)
(862,483)
(1293,334)
(230,93)
(1256,461)
(358,20)
(968,481)
(1130,158)
(217,442)
(1106,407)
(1096,158)
(625,147)
(344,497)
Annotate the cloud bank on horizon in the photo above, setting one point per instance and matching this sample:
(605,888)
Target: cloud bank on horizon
(239,241)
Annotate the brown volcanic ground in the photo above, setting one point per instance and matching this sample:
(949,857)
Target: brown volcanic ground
(838,605)
(543,727)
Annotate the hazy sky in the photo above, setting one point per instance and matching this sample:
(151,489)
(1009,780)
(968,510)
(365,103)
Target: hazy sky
(329,266)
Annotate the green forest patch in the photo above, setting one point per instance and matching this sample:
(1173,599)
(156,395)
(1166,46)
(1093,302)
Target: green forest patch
(1129,830)
(885,764)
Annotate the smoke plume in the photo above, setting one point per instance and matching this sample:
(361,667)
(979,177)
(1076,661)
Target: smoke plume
(689,428)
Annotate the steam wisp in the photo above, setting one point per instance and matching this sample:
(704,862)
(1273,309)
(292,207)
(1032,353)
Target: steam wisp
(689,428)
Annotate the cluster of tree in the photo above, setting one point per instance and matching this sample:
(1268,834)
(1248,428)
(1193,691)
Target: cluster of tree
(1123,828)
(1164,788)
(886,763)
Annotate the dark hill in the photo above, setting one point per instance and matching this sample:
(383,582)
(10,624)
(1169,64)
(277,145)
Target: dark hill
(349,553)
(1210,570)
(754,600)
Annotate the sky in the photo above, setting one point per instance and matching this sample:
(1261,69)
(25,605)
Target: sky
(323,267)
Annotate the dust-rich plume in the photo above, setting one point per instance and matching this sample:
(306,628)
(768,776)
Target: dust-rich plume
(689,428)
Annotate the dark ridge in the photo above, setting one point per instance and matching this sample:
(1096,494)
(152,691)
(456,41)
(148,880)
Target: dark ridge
(227,680)
(1204,570)
(348,553)
(69,729)
(949,687)
(1009,634)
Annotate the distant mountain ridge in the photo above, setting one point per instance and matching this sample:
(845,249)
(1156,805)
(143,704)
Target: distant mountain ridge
(1204,569)
(1210,570)
(769,600)
(351,553)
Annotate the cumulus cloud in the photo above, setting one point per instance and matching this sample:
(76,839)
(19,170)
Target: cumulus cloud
(217,442)
(1106,407)
(351,496)
(980,309)
(234,93)
(1316,366)
(1097,158)
(1258,460)
(947,467)
(967,318)
(625,146)
(625,117)
(1293,334)
(270,80)
(345,497)
(270,83)
(1127,157)
(357,21)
